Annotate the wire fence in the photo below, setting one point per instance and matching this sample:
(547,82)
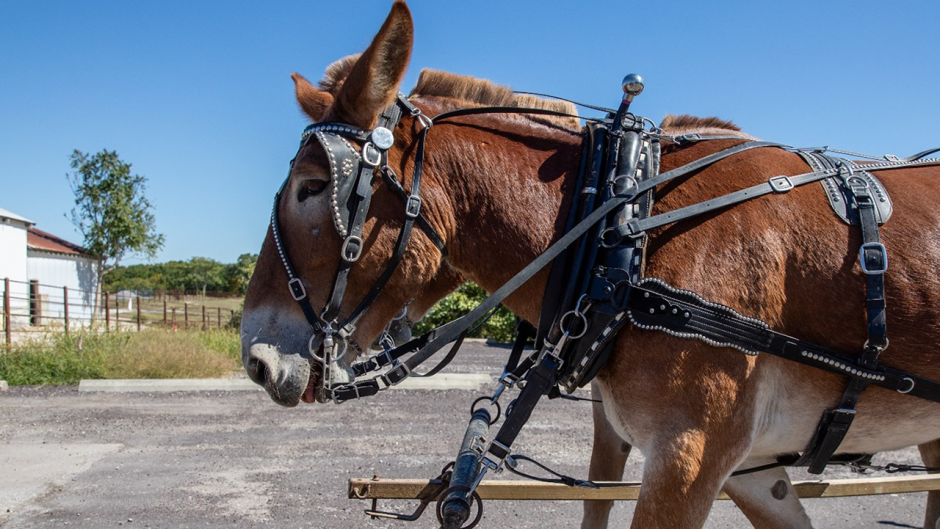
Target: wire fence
(31,308)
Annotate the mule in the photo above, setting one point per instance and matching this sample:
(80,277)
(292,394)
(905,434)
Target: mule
(497,189)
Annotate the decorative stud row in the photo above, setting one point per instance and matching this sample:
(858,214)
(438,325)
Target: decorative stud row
(842,366)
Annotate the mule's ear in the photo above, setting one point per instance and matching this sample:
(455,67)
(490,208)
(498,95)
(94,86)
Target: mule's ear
(313,102)
(373,81)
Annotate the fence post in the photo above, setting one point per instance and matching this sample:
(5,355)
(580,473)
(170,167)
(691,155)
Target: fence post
(107,311)
(174,315)
(164,311)
(35,304)
(186,313)
(8,331)
(65,301)
(204,326)
(219,316)
(117,311)
(138,313)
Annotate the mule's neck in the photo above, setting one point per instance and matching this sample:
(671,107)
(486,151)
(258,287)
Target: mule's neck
(509,182)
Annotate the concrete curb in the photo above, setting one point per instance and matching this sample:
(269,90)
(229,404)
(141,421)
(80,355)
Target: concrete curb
(443,381)
(169,384)
(3,385)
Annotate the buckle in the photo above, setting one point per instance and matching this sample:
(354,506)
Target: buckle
(780,184)
(869,267)
(413,206)
(297,290)
(687,138)
(843,415)
(508,380)
(373,159)
(396,375)
(356,250)
(499,450)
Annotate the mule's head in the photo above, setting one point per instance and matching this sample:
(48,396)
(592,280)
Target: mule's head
(277,349)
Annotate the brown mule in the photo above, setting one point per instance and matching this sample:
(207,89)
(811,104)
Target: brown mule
(497,189)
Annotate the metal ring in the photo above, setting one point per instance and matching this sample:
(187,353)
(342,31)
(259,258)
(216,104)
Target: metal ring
(499,409)
(633,184)
(403,313)
(423,118)
(563,327)
(313,350)
(603,241)
(908,390)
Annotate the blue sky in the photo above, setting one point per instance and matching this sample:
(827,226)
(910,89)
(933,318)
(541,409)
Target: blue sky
(197,95)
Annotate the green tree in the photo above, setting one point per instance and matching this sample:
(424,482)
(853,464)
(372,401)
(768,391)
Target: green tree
(240,272)
(111,211)
(206,274)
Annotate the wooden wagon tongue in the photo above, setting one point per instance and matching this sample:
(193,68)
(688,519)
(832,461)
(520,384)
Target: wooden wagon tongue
(598,267)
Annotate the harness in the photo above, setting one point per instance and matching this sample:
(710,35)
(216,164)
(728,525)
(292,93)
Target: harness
(598,266)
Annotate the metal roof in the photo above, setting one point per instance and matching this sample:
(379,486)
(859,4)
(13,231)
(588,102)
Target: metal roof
(4,214)
(41,240)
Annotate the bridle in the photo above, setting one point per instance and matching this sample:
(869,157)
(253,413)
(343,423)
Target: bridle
(351,177)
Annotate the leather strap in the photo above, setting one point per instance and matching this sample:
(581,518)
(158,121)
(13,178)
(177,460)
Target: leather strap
(836,422)
(777,184)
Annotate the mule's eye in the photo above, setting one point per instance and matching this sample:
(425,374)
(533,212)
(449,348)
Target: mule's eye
(311,188)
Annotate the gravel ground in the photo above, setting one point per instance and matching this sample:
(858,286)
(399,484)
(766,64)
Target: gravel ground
(235,459)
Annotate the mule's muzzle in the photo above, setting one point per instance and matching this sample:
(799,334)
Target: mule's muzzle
(284,376)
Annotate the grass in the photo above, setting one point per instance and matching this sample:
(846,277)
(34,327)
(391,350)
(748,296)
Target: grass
(57,359)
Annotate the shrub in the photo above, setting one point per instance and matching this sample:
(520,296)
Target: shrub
(501,327)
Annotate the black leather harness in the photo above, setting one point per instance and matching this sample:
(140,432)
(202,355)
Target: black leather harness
(598,269)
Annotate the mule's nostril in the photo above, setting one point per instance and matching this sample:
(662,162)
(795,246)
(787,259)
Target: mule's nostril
(257,370)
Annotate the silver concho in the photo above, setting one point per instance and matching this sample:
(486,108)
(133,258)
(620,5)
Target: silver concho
(382,138)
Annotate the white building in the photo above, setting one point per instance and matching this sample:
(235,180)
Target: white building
(43,269)
(56,264)
(13,265)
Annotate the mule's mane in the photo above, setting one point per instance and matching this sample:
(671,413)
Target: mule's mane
(675,125)
(471,91)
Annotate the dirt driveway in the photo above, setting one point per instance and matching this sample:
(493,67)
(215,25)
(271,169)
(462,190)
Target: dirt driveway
(236,459)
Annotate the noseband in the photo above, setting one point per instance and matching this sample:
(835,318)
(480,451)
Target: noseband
(351,176)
